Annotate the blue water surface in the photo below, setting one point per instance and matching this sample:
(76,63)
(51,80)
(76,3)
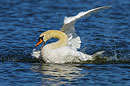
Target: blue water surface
(22,21)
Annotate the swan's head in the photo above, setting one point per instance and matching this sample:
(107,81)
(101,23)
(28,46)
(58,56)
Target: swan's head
(42,39)
(53,34)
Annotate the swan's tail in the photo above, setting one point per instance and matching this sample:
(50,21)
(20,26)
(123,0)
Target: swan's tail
(97,55)
(86,57)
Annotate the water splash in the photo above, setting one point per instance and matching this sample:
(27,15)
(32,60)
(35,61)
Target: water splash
(99,59)
(35,53)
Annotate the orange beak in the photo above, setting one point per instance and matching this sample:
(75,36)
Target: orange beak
(40,41)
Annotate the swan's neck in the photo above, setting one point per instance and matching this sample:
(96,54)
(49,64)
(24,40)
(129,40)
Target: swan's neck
(63,39)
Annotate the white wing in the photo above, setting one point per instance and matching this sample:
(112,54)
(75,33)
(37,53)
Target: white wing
(69,26)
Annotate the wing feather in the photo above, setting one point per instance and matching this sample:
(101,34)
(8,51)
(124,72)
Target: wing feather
(69,26)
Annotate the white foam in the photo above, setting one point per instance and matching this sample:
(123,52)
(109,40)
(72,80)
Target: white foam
(35,53)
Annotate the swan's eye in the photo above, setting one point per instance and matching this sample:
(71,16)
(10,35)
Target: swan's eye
(40,38)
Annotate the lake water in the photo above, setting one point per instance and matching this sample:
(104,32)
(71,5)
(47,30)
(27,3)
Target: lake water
(22,21)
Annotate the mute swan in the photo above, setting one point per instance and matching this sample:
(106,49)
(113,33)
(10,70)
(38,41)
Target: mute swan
(65,49)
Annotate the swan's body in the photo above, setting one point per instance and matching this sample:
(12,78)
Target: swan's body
(65,49)
(60,52)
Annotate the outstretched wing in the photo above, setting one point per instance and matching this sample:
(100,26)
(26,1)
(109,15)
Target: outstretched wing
(69,26)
